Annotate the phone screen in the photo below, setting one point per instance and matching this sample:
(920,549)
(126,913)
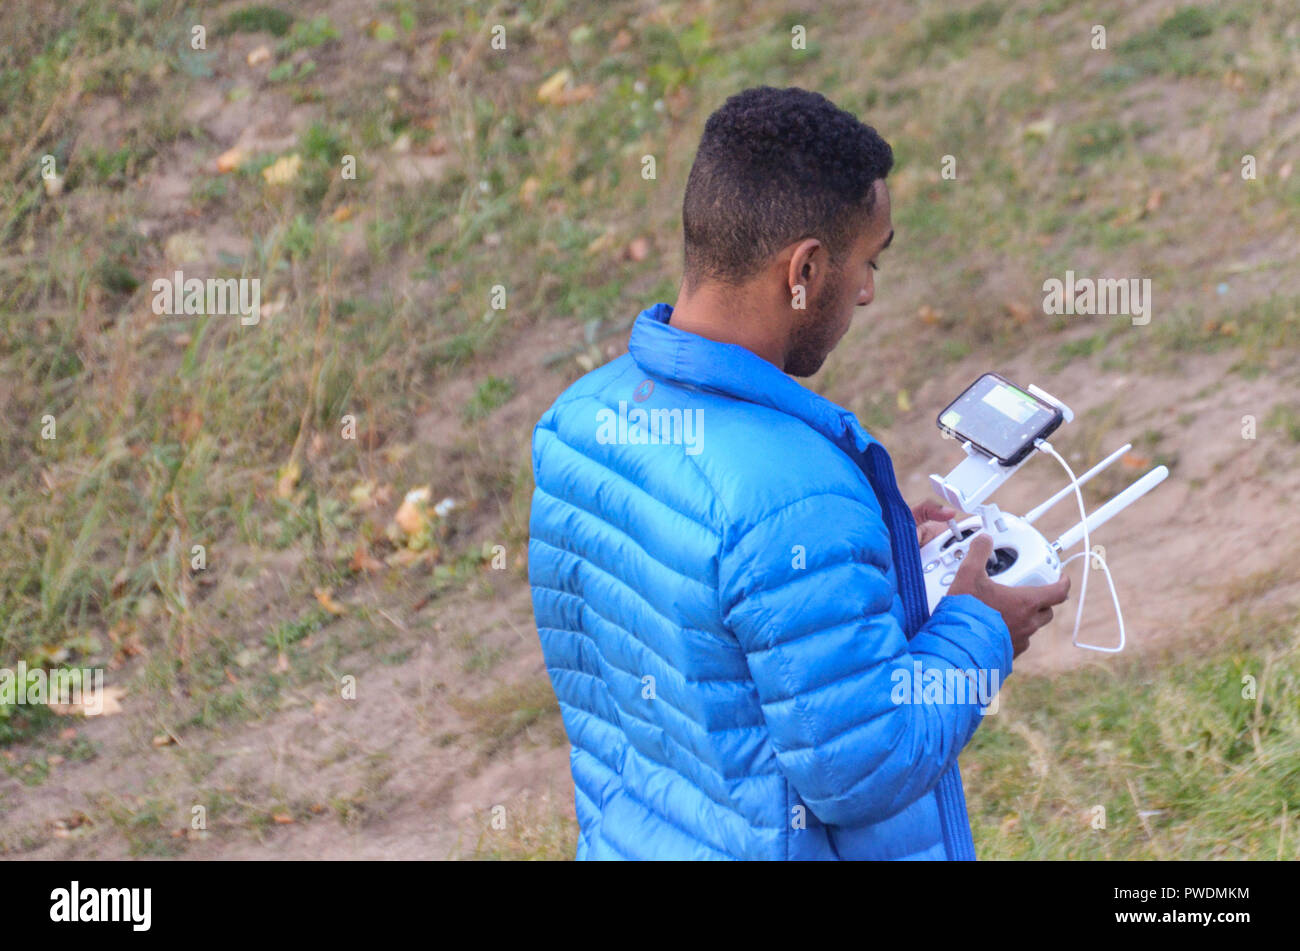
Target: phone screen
(999,418)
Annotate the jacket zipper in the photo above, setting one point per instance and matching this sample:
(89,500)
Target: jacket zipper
(953,821)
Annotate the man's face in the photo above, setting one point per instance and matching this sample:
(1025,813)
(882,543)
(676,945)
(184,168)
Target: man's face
(853,285)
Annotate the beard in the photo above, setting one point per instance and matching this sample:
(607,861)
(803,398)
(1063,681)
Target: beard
(817,336)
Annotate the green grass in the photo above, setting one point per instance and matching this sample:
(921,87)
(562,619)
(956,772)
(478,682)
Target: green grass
(490,394)
(258,19)
(956,31)
(1183,765)
(1285,419)
(1178,45)
(512,711)
(193,445)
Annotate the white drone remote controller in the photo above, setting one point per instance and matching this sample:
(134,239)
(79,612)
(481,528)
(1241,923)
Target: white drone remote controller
(1021,555)
(999,426)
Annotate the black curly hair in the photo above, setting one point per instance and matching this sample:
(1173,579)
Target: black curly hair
(776,166)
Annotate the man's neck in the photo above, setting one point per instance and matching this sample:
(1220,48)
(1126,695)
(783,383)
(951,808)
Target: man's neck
(730,315)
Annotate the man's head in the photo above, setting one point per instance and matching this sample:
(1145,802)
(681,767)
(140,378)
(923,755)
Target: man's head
(785,211)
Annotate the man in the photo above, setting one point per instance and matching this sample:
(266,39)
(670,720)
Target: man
(726,582)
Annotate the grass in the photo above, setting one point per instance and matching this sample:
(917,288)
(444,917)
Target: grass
(176,432)
(490,394)
(1216,780)
(527,830)
(258,19)
(511,711)
(1178,45)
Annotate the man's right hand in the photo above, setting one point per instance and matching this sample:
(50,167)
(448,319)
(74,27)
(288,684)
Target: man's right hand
(1024,609)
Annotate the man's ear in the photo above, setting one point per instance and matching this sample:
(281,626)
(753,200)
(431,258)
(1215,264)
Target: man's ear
(807,272)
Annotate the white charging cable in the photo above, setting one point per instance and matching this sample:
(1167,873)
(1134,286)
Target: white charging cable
(1044,446)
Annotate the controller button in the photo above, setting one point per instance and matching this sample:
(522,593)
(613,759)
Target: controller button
(931,566)
(948,578)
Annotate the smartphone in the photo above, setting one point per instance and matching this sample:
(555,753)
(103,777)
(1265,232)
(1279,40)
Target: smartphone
(999,418)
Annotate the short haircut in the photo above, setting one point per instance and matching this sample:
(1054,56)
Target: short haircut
(776,166)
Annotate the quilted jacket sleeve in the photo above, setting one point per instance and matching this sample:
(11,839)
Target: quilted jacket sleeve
(807,593)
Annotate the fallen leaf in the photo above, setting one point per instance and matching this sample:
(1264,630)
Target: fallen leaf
(230,160)
(362,494)
(638,250)
(1042,129)
(928,315)
(404,557)
(283,170)
(259,55)
(326,598)
(1017,311)
(363,561)
(412,514)
(342,213)
(282,663)
(601,243)
(275,306)
(528,191)
(65,828)
(184,247)
(287,479)
(282,818)
(904,402)
(548,91)
(109,702)
(567,97)
(163,739)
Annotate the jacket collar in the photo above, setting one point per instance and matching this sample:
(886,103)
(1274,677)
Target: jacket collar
(691,360)
(669,353)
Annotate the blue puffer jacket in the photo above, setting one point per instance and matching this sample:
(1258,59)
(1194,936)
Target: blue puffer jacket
(728,591)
